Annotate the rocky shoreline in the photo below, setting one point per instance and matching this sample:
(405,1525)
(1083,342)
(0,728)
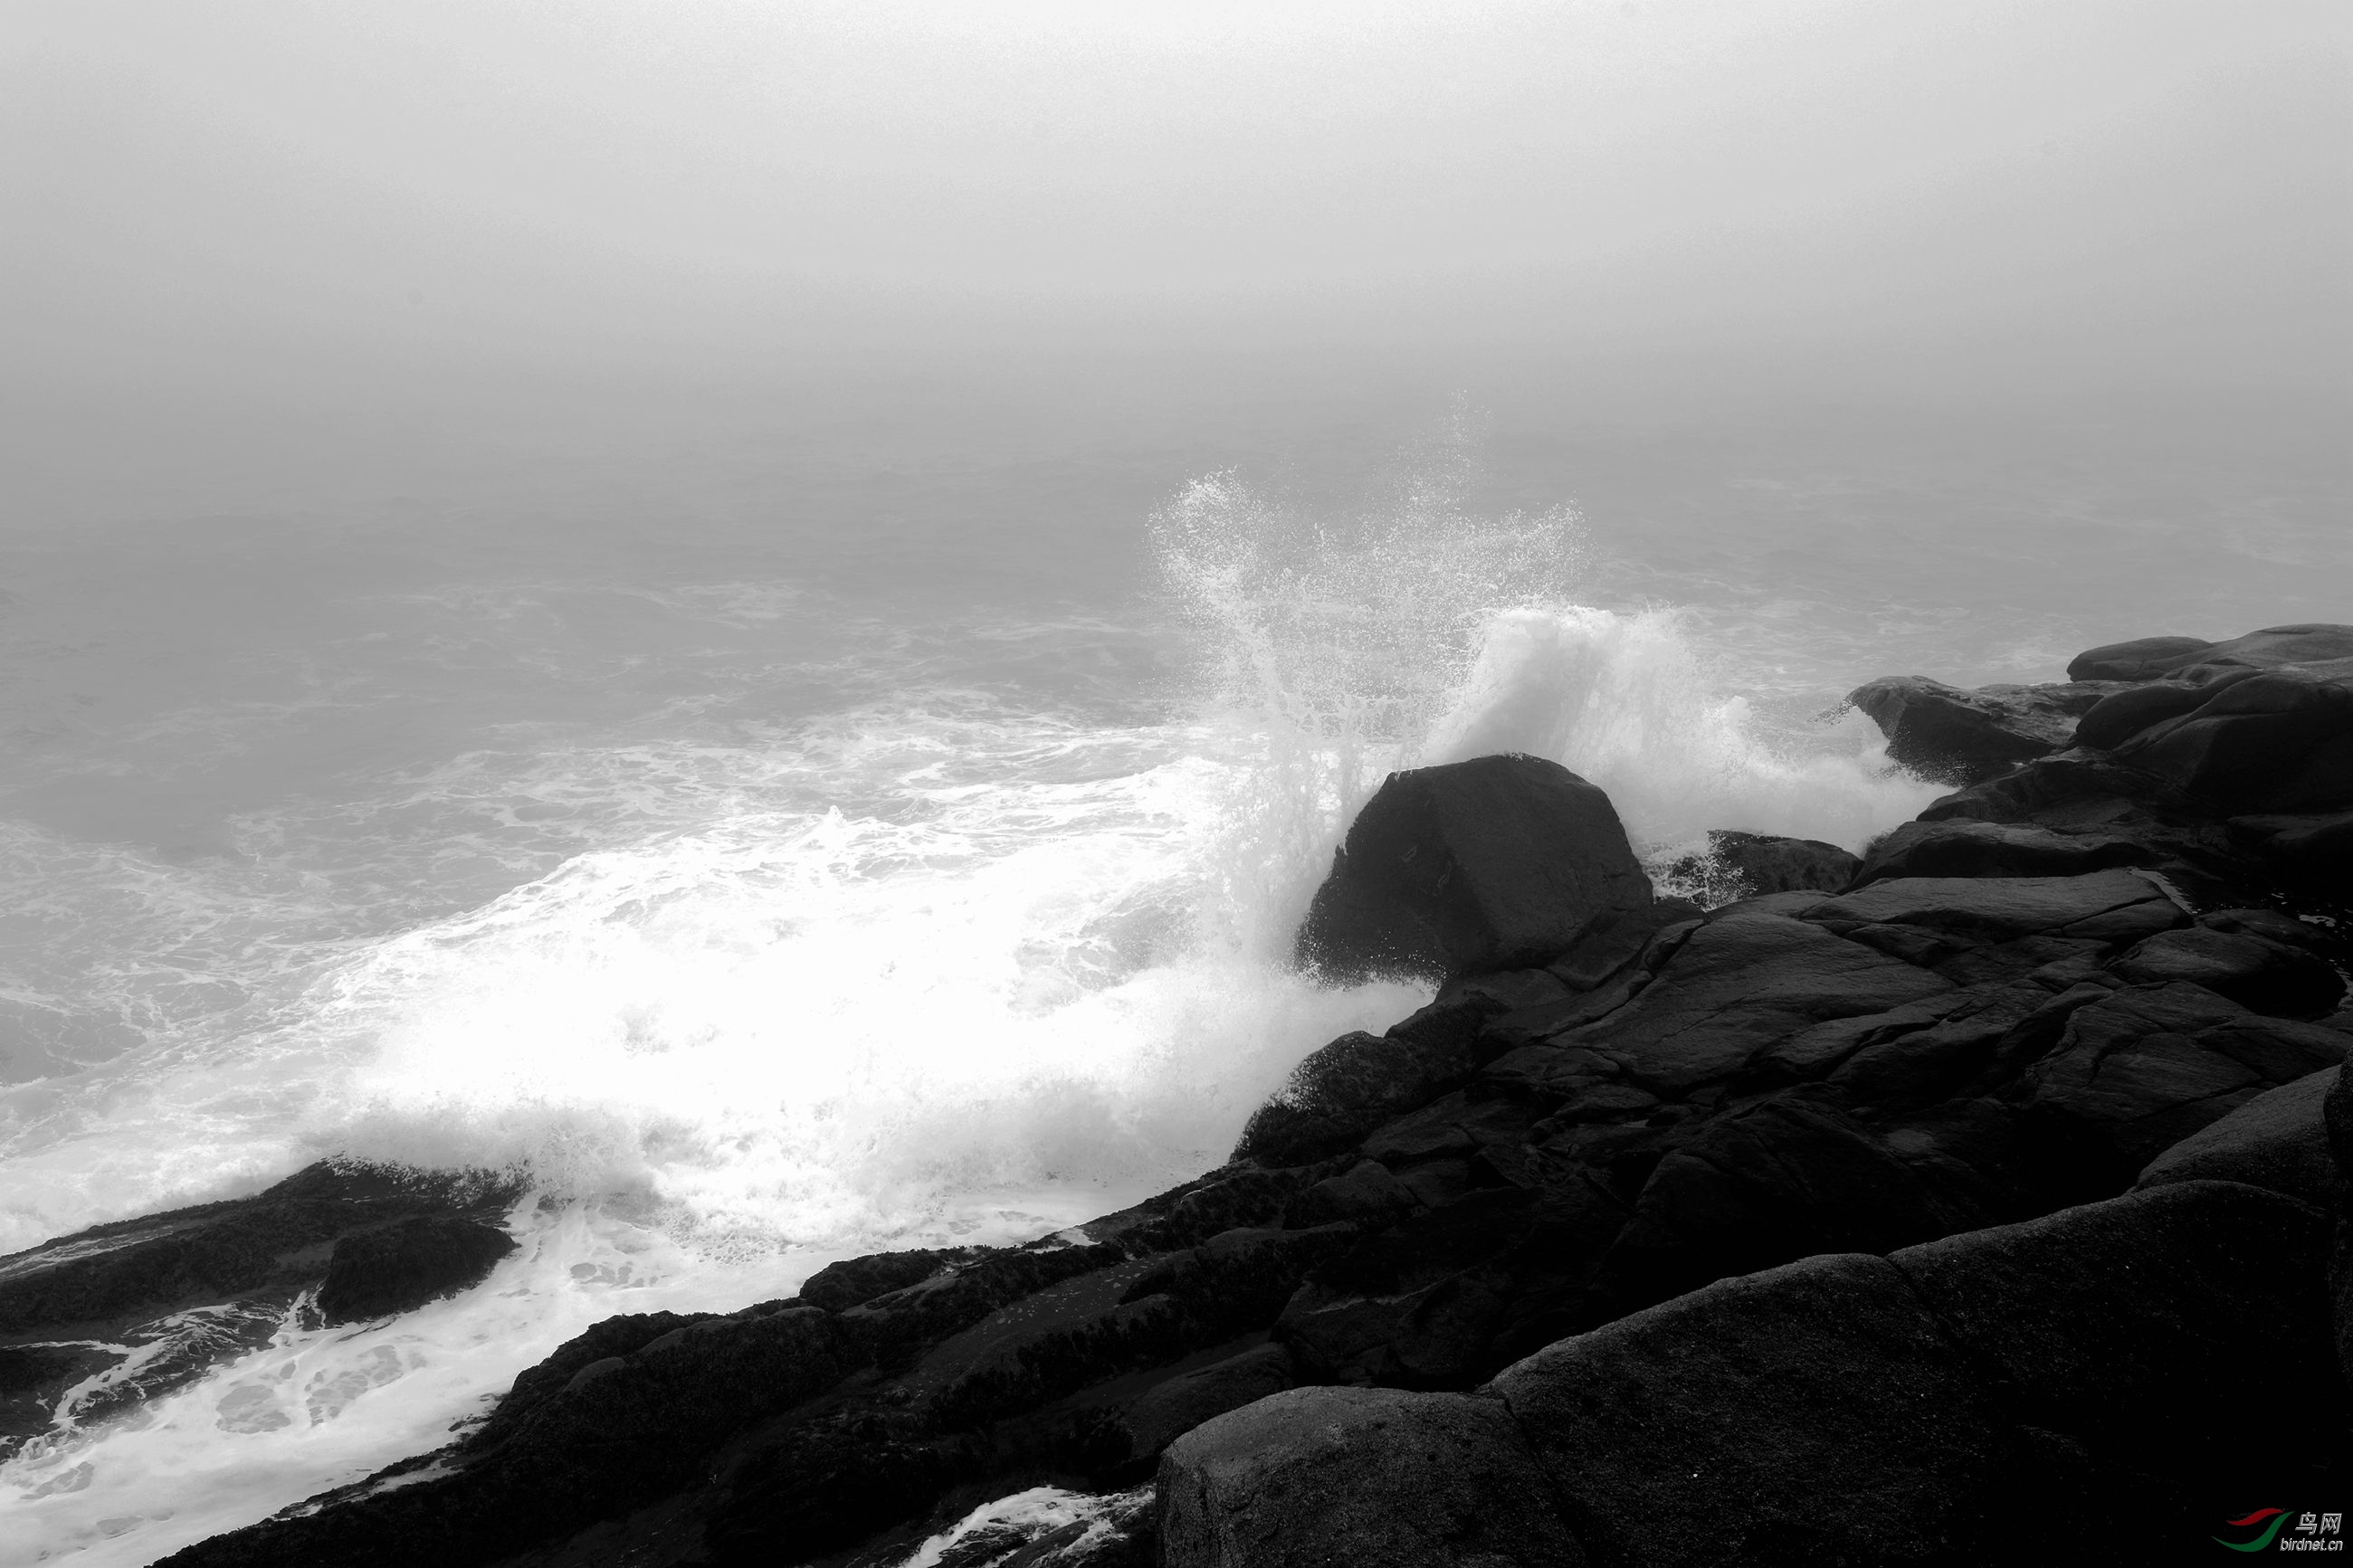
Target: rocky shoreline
(1973,1197)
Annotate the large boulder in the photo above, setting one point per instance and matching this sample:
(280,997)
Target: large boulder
(1370,1478)
(1494,863)
(1810,1414)
(1957,736)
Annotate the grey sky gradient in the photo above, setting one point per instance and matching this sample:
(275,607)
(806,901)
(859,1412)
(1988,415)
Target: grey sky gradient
(248,191)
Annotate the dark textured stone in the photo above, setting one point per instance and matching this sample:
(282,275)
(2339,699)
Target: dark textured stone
(2142,658)
(1810,1414)
(378,1273)
(2251,970)
(1365,1192)
(2314,851)
(1999,907)
(2137,1071)
(2277,1141)
(1737,986)
(2181,1330)
(2121,715)
(1767,864)
(2279,741)
(276,1241)
(1317,1478)
(1496,863)
(1961,848)
(1343,1091)
(1175,1407)
(1955,736)
(854,1281)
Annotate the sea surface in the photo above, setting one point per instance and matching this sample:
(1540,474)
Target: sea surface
(786,838)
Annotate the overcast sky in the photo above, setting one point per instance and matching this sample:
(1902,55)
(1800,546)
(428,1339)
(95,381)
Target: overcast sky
(507,181)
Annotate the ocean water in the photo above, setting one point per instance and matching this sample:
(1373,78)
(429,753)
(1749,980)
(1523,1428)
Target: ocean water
(778,851)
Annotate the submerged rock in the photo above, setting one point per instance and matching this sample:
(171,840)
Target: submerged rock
(1496,863)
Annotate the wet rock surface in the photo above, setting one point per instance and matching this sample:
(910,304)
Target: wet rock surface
(1808,1222)
(148,1305)
(1491,864)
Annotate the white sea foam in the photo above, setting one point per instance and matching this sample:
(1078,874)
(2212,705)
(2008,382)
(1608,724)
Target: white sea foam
(952,967)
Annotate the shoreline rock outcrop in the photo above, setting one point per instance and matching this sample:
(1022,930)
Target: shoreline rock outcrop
(145,1306)
(1986,1196)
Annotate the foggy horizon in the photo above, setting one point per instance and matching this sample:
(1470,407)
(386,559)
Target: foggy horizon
(701,190)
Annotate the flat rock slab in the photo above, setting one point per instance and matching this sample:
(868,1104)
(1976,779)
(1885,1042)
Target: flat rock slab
(1737,986)
(2003,906)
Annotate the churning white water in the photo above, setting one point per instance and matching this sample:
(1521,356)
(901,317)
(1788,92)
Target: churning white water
(942,962)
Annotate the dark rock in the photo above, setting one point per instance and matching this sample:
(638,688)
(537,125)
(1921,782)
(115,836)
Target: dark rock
(2119,716)
(2133,1327)
(1782,1179)
(378,1273)
(2312,851)
(854,1281)
(2337,1122)
(2153,658)
(1343,1091)
(1737,986)
(1175,1407)
(1346,1088)
(2143,658)
(275,1242)
(2254,971)
(606,1341)
(2088,1381)
(1613,942)
(2139,1071)
(2276,1140)
(2280,741)
(1495,863)
(1365,1193)
(1412,1305)
(1767,864)
(1961,848)
(1810,1414)
(1957,736)
(2314,642)
(2004,907)
(1371,1478)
